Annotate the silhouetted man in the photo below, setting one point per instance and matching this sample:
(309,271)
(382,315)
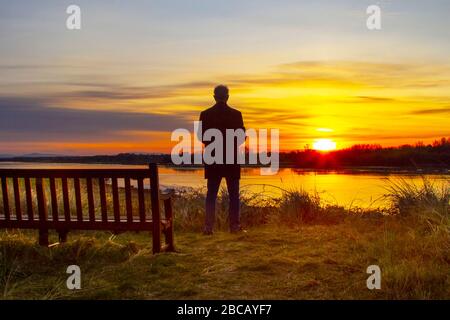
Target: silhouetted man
(222,117)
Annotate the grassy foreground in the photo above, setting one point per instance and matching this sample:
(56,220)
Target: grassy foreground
(294,249)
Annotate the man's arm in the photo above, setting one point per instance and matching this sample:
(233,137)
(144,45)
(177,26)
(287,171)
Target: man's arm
(200,132)
(241,125)
(241,122)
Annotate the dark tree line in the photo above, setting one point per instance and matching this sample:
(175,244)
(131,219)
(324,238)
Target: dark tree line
(419,155)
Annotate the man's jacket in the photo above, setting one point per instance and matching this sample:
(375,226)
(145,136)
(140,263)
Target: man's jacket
(222,117)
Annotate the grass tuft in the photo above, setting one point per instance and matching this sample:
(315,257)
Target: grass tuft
(424,202)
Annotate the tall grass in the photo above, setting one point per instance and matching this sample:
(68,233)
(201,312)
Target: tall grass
(299,206)
(425,202)
(8,272)
(294,207)
(189,208)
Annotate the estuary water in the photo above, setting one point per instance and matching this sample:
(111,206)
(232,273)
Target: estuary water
(351,188)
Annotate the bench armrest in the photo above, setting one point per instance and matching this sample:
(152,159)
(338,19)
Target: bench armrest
(166,195)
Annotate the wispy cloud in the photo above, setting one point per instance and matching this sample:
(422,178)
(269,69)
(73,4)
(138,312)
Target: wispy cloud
(33,119)
(443,110)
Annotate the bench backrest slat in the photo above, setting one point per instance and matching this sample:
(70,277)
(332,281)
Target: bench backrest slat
(101,185)
(141,200)
(17,198)
(66,203)
(90,197)
(42,203)
(53,199)
(78,205)
(29,198)
(5,198)
(116,202)
(128,200)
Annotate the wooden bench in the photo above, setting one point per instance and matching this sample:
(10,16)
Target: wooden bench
(68,189)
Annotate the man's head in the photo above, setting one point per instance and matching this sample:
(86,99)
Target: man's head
(221,93)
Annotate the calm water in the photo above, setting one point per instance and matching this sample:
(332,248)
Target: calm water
(348,189)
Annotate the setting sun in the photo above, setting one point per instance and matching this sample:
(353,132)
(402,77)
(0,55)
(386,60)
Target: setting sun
(324,145)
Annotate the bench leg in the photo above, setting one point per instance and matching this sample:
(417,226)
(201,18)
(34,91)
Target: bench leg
(156,237)
(168,232)
(62,236)
(43,237)
(156,241)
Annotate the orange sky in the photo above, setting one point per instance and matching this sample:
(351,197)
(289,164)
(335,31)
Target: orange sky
(311,70)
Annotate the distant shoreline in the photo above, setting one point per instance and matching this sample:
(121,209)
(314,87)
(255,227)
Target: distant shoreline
(418,159)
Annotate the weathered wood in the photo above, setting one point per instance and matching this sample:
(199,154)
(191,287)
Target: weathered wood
(90,196)
(54,199)
(78,204)
(42,212)
(116,203)
(66,203)
(156,216)
(29,198)
(17,198)
(168,230)
(141,200)
(5,198)
(128,200)
(101,184)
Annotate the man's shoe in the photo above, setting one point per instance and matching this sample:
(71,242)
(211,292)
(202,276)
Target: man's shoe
(238,230)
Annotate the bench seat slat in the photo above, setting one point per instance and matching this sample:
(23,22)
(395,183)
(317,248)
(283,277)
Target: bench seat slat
(78,225)
(82,225)
(85,220)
